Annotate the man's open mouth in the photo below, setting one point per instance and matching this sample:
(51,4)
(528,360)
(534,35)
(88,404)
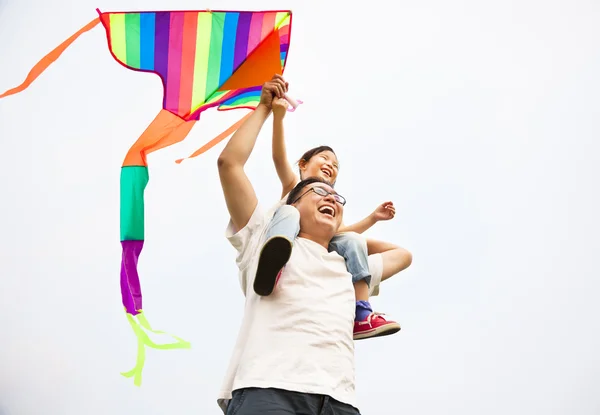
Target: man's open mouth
(327,210)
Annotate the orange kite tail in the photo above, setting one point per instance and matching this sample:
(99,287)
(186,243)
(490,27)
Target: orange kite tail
(166,129)
(47,60)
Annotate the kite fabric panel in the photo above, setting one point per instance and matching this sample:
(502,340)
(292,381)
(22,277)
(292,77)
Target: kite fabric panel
(204,59)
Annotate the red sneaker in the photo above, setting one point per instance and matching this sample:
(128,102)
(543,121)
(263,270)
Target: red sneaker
(279,275)
(374,326)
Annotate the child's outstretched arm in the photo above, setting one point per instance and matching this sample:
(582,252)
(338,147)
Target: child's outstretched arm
(385,211)
(395,258)
(284,169)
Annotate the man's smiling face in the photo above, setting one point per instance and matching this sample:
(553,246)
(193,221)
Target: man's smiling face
(319,213)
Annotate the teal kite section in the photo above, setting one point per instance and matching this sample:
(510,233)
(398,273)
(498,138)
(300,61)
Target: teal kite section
(133,182)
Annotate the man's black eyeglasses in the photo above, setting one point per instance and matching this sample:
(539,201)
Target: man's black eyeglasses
(321,191)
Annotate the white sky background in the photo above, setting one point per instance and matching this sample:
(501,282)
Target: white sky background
(478,119)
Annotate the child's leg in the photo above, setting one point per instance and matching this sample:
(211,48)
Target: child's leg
(277,249)
(367,323)
(353,247)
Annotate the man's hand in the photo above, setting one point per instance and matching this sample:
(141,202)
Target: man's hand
(275,88)
(280,107)
(385,211)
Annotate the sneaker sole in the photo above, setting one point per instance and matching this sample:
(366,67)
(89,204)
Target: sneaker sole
(378,332)
(274,255)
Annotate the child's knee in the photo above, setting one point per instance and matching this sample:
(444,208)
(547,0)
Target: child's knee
(354,236)
(349,244)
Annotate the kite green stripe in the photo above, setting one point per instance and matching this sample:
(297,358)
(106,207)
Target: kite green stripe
(214,54)
(133,182)
(216,96)
(132,37)
(244,100)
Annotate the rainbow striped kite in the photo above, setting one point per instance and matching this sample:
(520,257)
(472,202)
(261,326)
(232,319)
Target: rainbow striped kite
(205,59)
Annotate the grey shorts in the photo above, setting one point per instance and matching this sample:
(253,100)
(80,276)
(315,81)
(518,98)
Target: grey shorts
(258,401)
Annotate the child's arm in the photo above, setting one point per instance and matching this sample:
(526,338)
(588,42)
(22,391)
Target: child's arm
(385,211)
(395,258)
(284,169)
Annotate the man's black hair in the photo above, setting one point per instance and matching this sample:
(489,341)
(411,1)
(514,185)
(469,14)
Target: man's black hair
(301,185)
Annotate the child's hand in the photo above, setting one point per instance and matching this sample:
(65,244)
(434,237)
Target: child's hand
(280,107)
(385,211)
(275,88)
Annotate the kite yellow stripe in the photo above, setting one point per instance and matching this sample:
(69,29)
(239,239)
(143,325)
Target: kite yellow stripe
(117,36)
(281,18)
(201,61)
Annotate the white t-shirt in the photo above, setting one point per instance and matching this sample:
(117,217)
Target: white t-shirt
(300,338)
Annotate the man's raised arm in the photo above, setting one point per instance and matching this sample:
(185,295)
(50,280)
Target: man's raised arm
(238,191)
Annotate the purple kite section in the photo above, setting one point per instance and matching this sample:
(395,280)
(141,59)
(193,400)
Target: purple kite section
(131,292)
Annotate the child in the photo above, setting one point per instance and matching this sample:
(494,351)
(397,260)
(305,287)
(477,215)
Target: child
(284,227)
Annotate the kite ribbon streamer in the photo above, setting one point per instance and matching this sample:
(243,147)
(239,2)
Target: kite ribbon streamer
(144,340)
(217,139)
(293,102)
(50,58)
(166,129)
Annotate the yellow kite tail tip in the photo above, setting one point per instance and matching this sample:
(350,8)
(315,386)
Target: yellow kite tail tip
(139,323)
(136,372)
(178,161)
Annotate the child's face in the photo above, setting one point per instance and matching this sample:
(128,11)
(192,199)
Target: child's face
(323,165)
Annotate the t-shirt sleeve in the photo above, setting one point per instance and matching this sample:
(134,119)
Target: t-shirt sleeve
(242,239)
(376,269)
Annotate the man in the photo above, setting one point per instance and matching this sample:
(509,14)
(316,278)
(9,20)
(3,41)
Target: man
(295,349)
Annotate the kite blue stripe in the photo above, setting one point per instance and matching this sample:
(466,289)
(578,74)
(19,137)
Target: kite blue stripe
(147,41)
(228,48)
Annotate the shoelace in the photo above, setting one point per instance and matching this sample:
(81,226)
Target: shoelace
(374,314)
